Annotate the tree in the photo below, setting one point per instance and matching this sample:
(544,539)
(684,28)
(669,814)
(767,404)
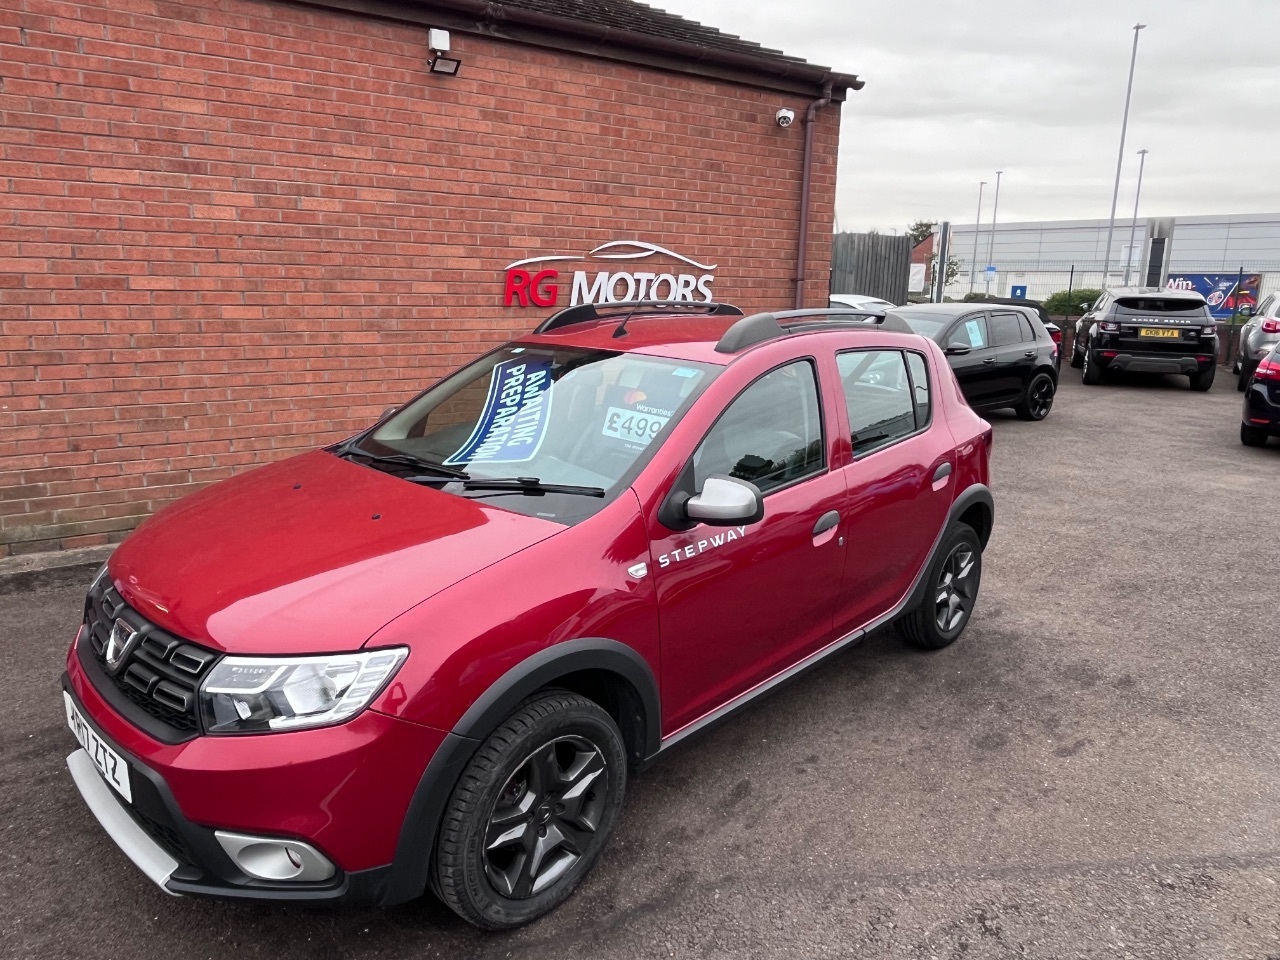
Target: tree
(953,268)
(1067,303)
(919,230)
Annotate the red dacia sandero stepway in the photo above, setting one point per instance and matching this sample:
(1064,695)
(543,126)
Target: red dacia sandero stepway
(430,656)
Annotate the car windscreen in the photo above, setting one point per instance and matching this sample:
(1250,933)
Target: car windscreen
(1156,305)
(561,415)
(925,323)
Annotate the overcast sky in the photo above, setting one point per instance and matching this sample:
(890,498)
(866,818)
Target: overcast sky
(957,89)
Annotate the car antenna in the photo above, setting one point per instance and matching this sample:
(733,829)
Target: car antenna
(621,330)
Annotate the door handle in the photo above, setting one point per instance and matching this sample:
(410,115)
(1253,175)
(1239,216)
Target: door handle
(826,522)
(989,360)
(944,470)
(1029,353)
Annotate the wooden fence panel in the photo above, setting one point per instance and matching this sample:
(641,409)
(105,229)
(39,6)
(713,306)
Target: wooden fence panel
(871,265)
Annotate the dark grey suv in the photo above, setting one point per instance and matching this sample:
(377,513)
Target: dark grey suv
(1147,330)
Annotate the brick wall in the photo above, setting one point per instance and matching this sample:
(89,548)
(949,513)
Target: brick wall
(232,230)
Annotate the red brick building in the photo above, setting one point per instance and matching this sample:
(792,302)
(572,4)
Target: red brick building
(231,230)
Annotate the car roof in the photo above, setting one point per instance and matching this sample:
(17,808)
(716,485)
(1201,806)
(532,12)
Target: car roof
(953,309)
(678,336)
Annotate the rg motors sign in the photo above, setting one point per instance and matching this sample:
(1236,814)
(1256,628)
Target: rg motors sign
(534,283)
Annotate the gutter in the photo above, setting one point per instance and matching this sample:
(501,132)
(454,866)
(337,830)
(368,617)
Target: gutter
(493,19)
(806,187)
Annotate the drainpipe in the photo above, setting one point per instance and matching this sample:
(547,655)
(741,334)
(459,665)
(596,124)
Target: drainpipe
(806,185)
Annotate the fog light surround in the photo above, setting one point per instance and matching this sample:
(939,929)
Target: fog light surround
(272,858)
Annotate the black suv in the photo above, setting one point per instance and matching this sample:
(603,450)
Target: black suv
(1148,330)
(1002,355)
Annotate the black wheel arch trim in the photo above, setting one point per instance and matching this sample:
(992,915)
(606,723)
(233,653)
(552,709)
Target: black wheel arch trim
(977,494)
(550,664)
(411,870)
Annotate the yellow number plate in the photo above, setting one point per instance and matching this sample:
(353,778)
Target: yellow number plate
(1159,332)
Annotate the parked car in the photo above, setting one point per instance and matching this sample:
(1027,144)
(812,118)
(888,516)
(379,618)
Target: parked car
(1257,337)
(873,304)
(1147,330)
(1001,355)
(1055,331)
(430,656)
(1261,416)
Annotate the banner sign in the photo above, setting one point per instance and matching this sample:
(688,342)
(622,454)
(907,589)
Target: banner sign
(515,416)
(1219,290)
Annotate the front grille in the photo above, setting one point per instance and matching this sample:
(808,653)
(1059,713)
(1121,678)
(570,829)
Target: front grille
(159,673)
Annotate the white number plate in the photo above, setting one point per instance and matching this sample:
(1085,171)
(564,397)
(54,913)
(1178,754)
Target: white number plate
(109,763)
(624,424)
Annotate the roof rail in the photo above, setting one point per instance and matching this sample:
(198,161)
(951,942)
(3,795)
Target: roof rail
(586,312)
(760,327)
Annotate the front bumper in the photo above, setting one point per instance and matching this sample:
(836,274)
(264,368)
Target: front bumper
(343,790)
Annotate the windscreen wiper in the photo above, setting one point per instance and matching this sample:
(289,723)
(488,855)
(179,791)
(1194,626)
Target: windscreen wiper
(403,459)
(531,485)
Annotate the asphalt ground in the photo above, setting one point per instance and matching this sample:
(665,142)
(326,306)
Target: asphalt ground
(1093,770)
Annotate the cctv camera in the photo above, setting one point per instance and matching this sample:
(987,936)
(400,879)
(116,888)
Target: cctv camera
(785,117)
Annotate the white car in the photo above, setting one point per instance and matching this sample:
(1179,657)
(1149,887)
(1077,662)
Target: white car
(856,302)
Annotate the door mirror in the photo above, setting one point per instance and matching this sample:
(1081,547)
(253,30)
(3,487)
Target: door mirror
(726,502)
(1246,310)
(957,349)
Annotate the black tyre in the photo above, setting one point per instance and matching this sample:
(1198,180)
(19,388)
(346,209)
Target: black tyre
(951,592)
(1203,380)
(531,812)
(1092,372)
(1038,400)
(1077,361)
(1246,374)
(1253,436)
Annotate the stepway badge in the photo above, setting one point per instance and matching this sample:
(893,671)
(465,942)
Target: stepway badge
(515,416)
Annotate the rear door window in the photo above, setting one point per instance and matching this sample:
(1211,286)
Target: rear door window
(1005,329)
(878,398)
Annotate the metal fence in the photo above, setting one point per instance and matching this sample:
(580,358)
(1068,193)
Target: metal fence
(872,265)
(1042,278)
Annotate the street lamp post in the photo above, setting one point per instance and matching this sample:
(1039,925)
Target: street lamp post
(977,225)
(991,236)
(1133,229)
(1124,127)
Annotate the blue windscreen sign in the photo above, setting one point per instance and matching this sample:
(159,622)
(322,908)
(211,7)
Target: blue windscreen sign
(515,416)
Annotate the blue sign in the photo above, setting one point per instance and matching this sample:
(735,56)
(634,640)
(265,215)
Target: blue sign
(1018,293)
(991,273)
(1219,290)
(515,416)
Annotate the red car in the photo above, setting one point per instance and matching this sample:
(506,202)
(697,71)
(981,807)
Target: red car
(431,656)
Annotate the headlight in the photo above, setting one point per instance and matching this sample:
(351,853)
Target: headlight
(269,694)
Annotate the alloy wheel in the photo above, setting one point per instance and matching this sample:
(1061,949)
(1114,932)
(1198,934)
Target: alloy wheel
(1040,397)
(956,590)
(546,817)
